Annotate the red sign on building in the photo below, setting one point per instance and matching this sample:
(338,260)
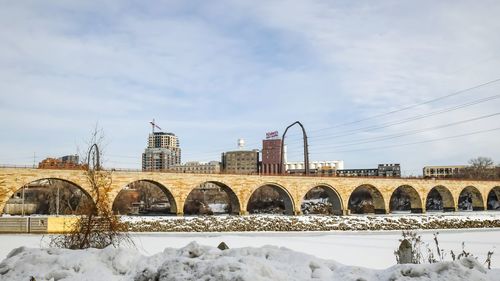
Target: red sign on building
(272,135)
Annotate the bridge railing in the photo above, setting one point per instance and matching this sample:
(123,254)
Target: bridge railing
(12,166)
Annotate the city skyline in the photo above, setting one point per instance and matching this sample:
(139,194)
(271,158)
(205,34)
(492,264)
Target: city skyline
(213,73)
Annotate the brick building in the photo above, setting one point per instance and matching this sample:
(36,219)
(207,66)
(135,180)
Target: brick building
(271,156)
(66,162)
(240,162)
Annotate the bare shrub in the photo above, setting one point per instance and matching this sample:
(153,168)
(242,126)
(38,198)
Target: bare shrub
(418,246)
(415,241)
(488,259)
(98,227)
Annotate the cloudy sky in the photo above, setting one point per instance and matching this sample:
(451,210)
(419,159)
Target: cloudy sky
(215,71)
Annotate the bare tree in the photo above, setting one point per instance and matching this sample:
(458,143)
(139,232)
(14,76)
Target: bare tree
(98,227)
(65,198)
(481,168)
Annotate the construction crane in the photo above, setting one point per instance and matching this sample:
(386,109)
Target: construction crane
(153,125)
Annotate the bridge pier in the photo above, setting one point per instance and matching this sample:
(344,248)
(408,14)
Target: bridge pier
(380,211)
(417,210)
(449,209)
(423,202)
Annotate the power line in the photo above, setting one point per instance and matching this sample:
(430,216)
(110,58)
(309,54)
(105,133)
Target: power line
(410,132)
(409,119)
(411,106)
(413,118)
(412,143)
(372,117)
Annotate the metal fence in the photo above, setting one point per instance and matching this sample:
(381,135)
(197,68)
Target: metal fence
(23,225)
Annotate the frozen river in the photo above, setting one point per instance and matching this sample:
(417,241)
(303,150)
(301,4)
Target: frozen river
(367,249)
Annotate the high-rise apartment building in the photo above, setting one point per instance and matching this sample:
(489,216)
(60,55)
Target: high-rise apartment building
(162,153)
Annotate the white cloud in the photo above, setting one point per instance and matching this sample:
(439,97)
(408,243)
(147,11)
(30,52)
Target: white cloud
(215,72)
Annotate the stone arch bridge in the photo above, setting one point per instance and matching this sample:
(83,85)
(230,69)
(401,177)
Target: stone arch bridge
(177,186)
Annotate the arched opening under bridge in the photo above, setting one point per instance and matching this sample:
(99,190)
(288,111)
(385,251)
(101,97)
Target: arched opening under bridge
(270,199)
(144,197)
(49,196)
(211,198)
(440,199)
(323,200)
(405,199)
(366,199)
(494,199)
(470,199)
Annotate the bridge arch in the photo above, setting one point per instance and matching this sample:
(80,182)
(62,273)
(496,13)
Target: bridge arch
(405,198)
(440,198)
(260,199)
(333,198)
(120,202)
(47,196)
(493,201)
(232,200)
(366,198)
(470,199)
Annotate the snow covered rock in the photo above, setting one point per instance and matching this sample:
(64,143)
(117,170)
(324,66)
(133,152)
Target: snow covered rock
(195,262)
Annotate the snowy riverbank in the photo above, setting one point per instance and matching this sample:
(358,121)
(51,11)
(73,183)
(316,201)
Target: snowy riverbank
(195,262)
(314,223)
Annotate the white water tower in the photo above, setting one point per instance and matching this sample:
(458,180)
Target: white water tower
(241,143)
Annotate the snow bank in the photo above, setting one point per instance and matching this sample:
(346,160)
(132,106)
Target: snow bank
(312,222)
(195,262)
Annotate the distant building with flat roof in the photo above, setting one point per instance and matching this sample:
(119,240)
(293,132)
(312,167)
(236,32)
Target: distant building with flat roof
(443,171)
(240,162)
(299,165)
(212,167)
(68,162)
(383,170)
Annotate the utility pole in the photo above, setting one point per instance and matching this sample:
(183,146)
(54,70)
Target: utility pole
(22,206)
(57,202)
(34,159)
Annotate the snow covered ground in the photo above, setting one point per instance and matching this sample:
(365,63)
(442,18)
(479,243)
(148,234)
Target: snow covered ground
(367,249)
(195,262)
(307,254)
